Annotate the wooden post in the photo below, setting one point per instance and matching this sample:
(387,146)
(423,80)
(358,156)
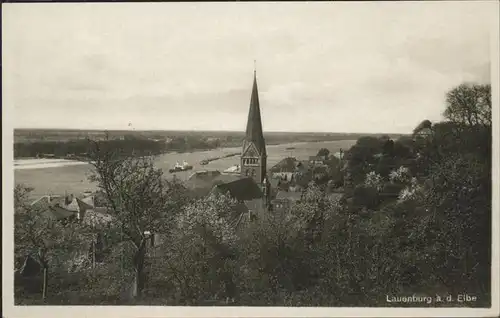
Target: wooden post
(44,287)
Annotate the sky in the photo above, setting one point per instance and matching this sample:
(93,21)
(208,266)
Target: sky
(322,67)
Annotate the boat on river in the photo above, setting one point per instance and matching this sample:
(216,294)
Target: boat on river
(181,167)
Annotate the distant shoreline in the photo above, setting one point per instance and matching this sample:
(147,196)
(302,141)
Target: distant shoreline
(82,159)
(28,163)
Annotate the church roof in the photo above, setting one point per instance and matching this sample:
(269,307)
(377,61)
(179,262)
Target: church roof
(243,189)
(203,183)
(254,133)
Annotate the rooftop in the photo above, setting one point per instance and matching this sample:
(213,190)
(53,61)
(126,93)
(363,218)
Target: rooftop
(242,189)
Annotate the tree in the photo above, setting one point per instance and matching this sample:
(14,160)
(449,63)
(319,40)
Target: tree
(365,196)
(361,157)
(323,152)
(401,175)
(374,180)
(425,124)
(138,198)
(49,241)
(456,224)
(275,251)
(198,257)
(469,104)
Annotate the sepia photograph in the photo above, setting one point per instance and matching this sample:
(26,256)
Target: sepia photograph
(234,157)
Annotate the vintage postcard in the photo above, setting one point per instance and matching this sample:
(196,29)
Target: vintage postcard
(250,159)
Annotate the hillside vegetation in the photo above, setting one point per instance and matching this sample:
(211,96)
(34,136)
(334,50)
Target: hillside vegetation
(414,219)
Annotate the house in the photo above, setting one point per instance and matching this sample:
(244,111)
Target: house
(47,200)
(285,165)
(287,169)
(58,207)
(285,176)
(53,207)
(288,166)
(317,160)
(79,206)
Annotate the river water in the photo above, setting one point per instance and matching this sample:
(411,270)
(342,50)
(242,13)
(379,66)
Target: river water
(59,176)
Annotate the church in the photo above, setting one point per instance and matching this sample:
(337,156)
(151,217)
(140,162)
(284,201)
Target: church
(251,186)
(253,155)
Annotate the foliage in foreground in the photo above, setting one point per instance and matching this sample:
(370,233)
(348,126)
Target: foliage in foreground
(416,219)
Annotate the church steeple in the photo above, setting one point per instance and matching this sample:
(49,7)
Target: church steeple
(254,156)
(254,132)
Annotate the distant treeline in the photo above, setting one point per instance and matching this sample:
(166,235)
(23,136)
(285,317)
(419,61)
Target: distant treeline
(226,137)
(71,143)
(127,145)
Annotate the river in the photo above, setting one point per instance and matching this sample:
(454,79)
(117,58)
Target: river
(59,176)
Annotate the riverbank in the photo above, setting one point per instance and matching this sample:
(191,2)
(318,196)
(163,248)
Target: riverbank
(64,176)
(39,163)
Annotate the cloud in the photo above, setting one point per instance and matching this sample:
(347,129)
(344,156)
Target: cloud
(320,66)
